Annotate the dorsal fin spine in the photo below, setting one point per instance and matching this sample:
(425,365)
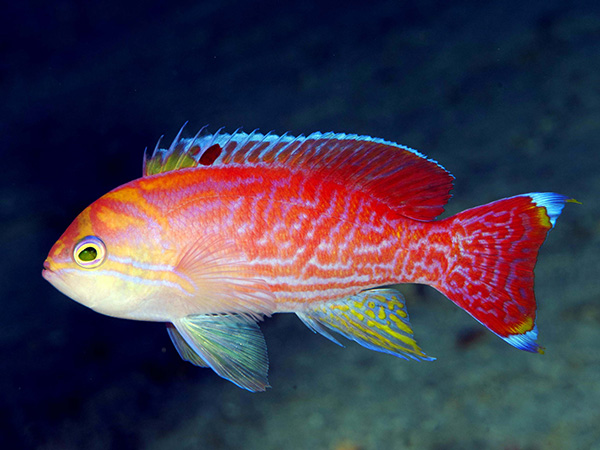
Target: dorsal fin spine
(157,146)
(231,136)
(176,140)
(195,138)
(216,135)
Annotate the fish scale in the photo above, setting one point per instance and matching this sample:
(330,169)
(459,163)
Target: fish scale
(225,229)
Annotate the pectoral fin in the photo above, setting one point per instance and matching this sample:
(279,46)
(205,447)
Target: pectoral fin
(221,279)
(231,345)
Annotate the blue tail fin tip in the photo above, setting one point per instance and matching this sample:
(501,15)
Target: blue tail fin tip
(554,203)
(525,341)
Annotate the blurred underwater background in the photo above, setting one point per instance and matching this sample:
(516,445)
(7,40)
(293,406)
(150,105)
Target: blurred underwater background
(504,94)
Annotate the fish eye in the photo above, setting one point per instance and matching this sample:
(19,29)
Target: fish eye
(89,252)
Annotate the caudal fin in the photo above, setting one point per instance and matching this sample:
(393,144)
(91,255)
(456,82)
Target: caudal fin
(494,251)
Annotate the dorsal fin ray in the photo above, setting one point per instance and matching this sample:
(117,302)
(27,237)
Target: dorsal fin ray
(411,184)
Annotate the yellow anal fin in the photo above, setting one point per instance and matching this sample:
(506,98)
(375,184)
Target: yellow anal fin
(375,318)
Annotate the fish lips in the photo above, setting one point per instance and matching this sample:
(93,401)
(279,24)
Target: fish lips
(55,279)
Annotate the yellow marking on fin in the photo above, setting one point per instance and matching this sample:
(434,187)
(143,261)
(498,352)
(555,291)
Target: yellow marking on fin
(391,332)
(340,307)
(358,304)
(408,340)
(179,158)
(544,218)
(373,318)
(358,315)
(524,327)
(376,338)
(400,324)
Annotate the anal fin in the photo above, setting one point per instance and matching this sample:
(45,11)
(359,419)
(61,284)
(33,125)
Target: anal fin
(375,318)
(232,345)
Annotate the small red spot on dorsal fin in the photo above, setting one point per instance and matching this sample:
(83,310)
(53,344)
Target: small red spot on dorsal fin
(210,155)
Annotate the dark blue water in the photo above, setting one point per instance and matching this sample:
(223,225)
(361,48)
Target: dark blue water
(505,95)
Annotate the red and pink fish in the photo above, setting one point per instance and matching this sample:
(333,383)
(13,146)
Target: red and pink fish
(225,229)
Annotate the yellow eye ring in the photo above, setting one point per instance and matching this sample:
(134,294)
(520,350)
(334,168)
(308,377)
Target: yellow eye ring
(89,252)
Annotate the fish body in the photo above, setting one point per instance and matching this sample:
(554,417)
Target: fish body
(223,230)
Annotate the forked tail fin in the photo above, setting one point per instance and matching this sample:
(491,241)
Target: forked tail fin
(494,251)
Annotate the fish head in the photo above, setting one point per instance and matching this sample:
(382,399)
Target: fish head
(99,261)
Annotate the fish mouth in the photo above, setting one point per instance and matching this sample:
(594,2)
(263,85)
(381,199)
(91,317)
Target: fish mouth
(54,278)
(47,272)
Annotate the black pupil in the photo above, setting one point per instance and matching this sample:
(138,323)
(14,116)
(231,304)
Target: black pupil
(88,254)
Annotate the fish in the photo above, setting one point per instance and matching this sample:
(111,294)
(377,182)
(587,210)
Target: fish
(223,230)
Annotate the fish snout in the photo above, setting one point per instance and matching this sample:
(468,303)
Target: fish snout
(47,271)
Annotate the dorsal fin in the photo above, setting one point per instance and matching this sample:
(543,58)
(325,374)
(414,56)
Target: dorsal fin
(411,184)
